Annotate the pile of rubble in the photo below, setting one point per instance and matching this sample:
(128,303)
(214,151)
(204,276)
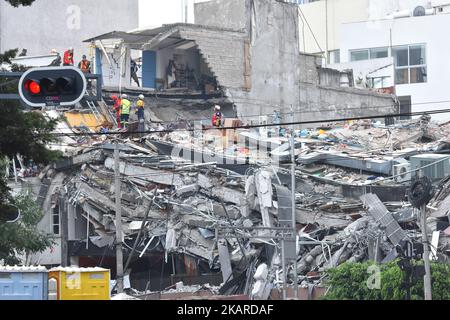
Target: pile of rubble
(237,219)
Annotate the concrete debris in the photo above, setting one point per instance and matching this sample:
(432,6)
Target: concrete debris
(217,220)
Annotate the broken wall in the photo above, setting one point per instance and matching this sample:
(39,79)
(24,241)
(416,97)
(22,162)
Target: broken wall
(277,76)
(222,51)
(274,57)
(319,102)
(232,13)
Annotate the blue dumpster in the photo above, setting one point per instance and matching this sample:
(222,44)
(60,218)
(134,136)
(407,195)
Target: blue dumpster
(23,283)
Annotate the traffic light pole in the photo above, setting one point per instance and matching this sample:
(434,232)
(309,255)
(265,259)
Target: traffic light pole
(119,253)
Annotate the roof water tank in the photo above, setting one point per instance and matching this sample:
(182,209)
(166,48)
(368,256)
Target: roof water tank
(419,11)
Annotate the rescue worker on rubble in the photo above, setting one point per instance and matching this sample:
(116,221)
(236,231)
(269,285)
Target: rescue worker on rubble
(57,61)
(140,104)
(68,57)
(116,108)
(125,107)
(217,117)
(85,65)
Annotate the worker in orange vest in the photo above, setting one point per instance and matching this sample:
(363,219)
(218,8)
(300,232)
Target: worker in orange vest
(85,65)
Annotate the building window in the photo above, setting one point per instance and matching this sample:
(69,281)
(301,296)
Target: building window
(379,82)
(358,55)
(55,221)
(366,54)
(377,53)
(405,106)
(334,56)
(410,64)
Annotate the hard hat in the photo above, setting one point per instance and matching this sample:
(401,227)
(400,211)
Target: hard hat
(124,96)
(54,51)
(141,96)
(217,107)
(71,49)
(114,97)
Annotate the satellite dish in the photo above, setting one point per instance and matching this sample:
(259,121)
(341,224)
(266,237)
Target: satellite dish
(419,11)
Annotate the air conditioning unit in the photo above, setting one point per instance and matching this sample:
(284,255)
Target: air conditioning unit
(401,172)
(437,165)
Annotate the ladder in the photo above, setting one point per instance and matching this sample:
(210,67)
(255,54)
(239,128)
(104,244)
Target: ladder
(94,110)
(104,107)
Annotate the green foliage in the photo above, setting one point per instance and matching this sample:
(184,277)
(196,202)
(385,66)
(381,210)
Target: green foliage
(23,237)
(26,133)
(349,282)
(16,3)
(8,55)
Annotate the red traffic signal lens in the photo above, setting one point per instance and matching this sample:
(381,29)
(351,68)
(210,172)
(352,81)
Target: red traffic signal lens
(33,87)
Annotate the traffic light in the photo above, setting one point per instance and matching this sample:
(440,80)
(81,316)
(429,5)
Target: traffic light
(52,86)
(9,213)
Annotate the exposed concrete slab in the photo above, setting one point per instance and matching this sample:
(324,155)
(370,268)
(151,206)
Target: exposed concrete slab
(155,176)
(226,194)
(95,156)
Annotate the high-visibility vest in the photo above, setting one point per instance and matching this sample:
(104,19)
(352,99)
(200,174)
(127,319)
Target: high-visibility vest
(140,103)
(126,106)
(85,66)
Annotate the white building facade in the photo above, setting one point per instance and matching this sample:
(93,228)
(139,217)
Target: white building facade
(362,34)
(419,52)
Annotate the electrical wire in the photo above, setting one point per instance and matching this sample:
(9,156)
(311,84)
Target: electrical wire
(391,115)
(279,113)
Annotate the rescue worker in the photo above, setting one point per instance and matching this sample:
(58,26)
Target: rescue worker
(57,61)
(116,108)
(68,57)
(140,104)
(125,107)
(217,117)
(133,71)
(85,65)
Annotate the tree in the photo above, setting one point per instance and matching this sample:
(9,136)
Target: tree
(26,133)
(16,3)
(349,282)
(22,237)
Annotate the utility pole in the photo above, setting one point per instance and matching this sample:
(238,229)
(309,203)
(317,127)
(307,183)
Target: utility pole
(284,267)
(326,33)
(294,234)
(426,249)
(119,253)
(64,229)
(426,255)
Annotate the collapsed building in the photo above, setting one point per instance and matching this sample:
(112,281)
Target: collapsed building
(218,226)
(212,209)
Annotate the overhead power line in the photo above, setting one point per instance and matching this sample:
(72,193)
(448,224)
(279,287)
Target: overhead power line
(285,124)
